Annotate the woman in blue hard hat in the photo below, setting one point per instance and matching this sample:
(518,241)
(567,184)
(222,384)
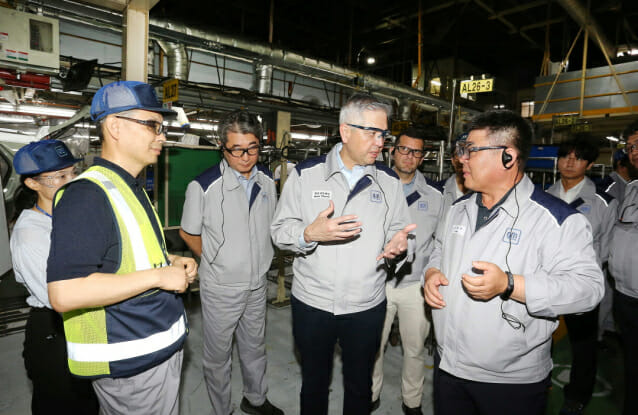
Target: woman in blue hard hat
(45,166)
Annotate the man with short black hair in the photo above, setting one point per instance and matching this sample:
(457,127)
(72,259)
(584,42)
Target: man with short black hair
(342,214)
(623,263)
(109,272)
(226,222)
(403,292)
(508,260)
(575,157)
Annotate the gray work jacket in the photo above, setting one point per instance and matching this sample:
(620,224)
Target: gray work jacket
(236,246)
(340,277)
(623,261)
(550,245)
(449,193)
(425,204)
(600,209)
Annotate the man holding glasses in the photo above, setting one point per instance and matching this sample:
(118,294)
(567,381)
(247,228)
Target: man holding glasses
(403,292)
(343,215)
(226,221)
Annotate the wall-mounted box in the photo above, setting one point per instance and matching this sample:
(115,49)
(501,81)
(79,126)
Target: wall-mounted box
(29,42)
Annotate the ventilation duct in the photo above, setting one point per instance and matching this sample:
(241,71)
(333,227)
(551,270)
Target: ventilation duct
(177,59)
(264,79)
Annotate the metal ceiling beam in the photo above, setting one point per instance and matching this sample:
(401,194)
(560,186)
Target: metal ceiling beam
(582,16)
(541,24)
(518,9)
(506,22)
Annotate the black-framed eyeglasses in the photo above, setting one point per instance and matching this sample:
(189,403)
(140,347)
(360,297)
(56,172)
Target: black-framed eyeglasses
(156,126)
(239,152)
(372,132)
(464,151)
(407,150)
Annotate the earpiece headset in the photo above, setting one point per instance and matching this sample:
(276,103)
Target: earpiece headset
(514,322)
(506,158)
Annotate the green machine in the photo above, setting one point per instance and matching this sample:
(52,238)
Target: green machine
(176,167)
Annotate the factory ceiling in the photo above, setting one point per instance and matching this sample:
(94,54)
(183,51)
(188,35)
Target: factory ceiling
(505,38)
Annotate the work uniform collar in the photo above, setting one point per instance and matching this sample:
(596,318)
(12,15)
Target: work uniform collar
(333,165)
(231,179)
(513,201)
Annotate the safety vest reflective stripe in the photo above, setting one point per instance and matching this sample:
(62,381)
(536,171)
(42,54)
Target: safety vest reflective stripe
(132,227)
(127,349)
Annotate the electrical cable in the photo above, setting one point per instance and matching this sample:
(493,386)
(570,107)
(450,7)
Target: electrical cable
(514,322)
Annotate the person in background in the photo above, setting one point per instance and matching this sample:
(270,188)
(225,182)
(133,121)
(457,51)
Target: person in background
(575,157)
(615,183)
(109,272)
(623,266)
(403,292)
(44,166)
(226,222)
(454,187)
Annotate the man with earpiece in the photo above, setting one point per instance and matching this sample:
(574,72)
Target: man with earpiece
(345,216)
(508,260)
(403,292)
(226,222)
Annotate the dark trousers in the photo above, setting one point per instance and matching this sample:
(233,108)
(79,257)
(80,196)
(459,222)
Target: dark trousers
(582,330)
(626,315)
(454,396)
(55,390)
(359,335)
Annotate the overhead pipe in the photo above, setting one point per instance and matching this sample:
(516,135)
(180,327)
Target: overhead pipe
(290,60)
(581,15)
(285,60)
(177,58)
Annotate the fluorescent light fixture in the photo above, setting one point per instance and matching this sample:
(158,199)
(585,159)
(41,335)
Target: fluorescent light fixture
(371,60)
(38,110)
(202,126)
(612,138)
(300,136)
(16,119)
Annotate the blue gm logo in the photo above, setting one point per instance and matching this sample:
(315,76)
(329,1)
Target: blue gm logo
(375,196)
(512,236)
(585,209)
(422,206)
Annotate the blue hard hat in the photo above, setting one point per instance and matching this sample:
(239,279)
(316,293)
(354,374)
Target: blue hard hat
(126,95)
(42,156)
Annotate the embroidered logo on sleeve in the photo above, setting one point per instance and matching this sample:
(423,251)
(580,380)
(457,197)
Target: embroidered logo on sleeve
(584,208)
(458,230)
(375,196)
(322,194)
(512,235)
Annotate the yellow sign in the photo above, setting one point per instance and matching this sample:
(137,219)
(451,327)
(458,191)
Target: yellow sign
(581,128)
(477,85)
(171,90)
(565,120)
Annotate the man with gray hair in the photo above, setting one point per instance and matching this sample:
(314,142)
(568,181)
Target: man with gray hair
(343,215)
(226,222)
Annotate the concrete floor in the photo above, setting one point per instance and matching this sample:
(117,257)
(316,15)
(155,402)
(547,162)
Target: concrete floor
(283,374)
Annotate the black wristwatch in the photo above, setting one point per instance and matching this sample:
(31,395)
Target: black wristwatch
(510,287)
